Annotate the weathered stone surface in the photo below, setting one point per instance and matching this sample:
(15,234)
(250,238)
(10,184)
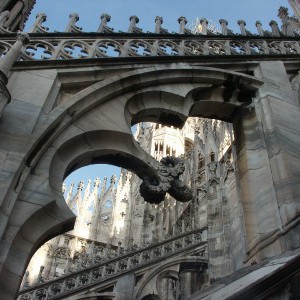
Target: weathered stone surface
(43,139)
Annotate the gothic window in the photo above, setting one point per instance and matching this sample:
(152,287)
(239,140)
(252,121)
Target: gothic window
(161,148)
(108,204)
(212,156)
(168,151)
(200,161)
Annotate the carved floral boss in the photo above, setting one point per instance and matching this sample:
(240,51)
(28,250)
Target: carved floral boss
(154,188)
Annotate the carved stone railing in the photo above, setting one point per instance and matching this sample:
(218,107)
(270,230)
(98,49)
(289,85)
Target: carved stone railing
(65,46)
(127,262)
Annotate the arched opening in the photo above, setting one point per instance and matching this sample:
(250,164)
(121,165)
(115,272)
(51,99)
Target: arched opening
(96,225)
(117,146)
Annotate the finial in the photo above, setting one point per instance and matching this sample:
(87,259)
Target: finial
(80,185)
(260,31)
(113,179)
(135,18)
(204,23)
(105,16)
(37,26)
(160,19)
(74,16)
(224,24)
(97,182)
(158,23)
(103,28)
(275,29)
(72,27)
(132,25)
(283,12)
(182,22)
(242,25)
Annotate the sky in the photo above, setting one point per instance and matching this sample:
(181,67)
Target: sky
(120,11)
(89,11)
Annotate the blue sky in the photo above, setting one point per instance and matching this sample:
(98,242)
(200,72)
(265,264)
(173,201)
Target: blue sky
(120,10)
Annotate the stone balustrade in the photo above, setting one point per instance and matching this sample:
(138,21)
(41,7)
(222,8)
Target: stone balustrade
(130,260)
(100,46)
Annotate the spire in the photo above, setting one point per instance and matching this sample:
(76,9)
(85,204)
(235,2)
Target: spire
(103,188)
(87,191)
(72,27)
(97,183)
(103,28)
(77,200)
(69,195)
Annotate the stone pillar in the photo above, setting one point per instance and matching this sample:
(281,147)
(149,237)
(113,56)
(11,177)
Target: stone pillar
(275,29)
(6,64)
(224,25)
(182,22)
(133,21)
(158,23)
(259,28)
(204,24)
(242,25)
(191,277)
(16,10)
(279,114)
(268,164)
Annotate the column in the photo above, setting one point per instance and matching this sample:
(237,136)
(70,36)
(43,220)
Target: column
(6,64)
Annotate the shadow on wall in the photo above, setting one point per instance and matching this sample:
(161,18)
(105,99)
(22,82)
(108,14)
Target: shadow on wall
(151,297)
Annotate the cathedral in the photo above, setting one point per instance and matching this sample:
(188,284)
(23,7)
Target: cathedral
(207,202)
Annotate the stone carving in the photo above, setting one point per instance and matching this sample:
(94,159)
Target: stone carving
(115,264)
(37,26)
(62,253)
(4,16)
(153,189)
(103,28)
(64,48)
(72,27)
(158,28)
(290,25)
(132,25)
(212,168)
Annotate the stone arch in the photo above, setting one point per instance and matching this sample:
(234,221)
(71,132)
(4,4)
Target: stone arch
(169,268)
(69,124)
(161,280)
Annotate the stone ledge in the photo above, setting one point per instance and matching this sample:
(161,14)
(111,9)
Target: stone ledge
(254,281)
